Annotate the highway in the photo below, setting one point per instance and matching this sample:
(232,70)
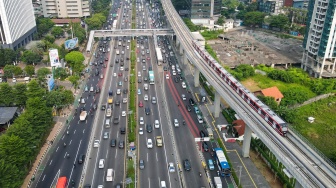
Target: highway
(301,166)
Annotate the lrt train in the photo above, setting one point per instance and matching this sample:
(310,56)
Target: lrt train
(263,110)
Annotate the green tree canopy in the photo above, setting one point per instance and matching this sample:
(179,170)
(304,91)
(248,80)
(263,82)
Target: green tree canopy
(30,57)
(7,56)
(75,61)
(9,71)
(19,93)
(60,73)
(59,98)
(254,18)
(43,25)
(17,71)
(34,90)
(74,80)
(57,31)
(43,72)
(50,39)
(280,21)
(6,93)
(29,70)
(96,21)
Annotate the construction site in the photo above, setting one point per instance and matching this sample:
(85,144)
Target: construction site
(256,47)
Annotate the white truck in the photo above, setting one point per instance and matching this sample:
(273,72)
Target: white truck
(218,182)
(108,112)
(117,51)
(83,115)
(159,56)
(114,24)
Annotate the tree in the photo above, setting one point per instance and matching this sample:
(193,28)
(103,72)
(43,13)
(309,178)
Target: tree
(9,71)
(59,98)
(96,21)
(75,60)
(29,70)
(17,71)
(78,32)
(220,20)
(19,93)
(60,73)
(7,56)
(279,21)
(50,39)
(43,25)
(254,18)
(6,93)
(34,90)
(30,57)
(74,80)
(43,72)
(57,31)
(252,7)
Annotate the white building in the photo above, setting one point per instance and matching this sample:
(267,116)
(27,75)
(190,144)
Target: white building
(17,23)
(319,57)
(228,24)
(66,9)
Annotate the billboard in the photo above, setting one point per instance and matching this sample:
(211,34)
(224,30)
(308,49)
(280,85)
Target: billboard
(54,59)
(71,43)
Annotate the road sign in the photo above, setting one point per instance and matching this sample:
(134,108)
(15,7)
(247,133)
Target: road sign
(202,139)
(128,180)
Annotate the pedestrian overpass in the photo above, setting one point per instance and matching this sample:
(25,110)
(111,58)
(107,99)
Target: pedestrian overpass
(125,32)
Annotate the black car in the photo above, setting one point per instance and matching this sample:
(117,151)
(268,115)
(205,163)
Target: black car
(82,109)
(97,73)
(103,107)
(122,130)
(97,90)
(126,69)
(94,107)
(122,64)
(117,60)
(203,134)
(191,102)
(111,65)
(147,111)
(177,79)
(187,165)
(116,120)
(145,78)
(122,60)
(113,142)
(149,128)
(139,80)
(188,107)
(117,103)
(87,186)
(165,68)
(125,91)
(81,159)
(205,146)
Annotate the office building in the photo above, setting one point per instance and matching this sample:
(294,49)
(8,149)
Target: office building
(319,42)
(66,9)
(202,11)
(37,5)
(17,23)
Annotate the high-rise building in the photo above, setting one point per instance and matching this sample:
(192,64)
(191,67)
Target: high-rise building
(272,7)
(17,23)
(204,10)
(319,56)
(66,9)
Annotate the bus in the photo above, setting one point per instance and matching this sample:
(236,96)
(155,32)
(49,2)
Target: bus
(151,77)
(222,163)
(61,182)
(109,174)
(159,56)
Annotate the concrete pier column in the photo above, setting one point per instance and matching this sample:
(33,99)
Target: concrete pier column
(247,141)
(298,185)
(196,77)
(217,105)
(184,59)
(177,43)
(181,50)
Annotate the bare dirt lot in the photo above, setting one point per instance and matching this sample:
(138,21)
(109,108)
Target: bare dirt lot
(256,47)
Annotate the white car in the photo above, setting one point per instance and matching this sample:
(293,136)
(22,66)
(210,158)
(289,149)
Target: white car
(127,47)
(121,68)
(176,123)
(123,113)
(101,163)
(141,131)
(149,143)
(156,124)
(124,100)
(108,49)
(96,143)
(141,121)
(184,85)
(114,74)
(171,167)
(183,97)
(123,52)
(91,89)
(139,74)
(118,91)
(167,76)
(146,97)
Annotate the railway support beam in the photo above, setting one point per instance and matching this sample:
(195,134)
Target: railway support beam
(247,141)
(217,105)
(184,59)
(177,42)
(196,77)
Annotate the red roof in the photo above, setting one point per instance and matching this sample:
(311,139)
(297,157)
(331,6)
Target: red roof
(66,21)
(272,92)
(239,126)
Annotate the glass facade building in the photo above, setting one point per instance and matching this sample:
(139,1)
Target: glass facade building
(205,9)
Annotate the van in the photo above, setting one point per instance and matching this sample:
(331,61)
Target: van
(83,101)
(200,119)
(146,87)
(107,123)
(27,79)
(119,43)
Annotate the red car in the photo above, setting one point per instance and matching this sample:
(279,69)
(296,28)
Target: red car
(140,104)
(120,74)
(148,58)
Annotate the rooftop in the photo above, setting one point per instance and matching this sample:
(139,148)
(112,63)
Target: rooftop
(6,114)
(272,92)
(66,21)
